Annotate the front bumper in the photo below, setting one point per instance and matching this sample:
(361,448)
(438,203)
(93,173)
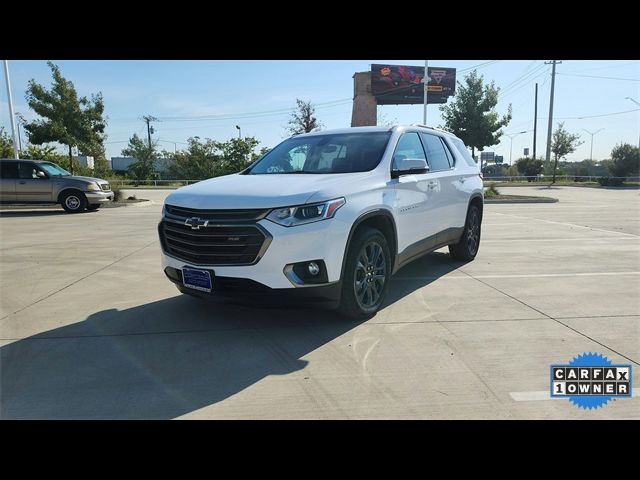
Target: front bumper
(325,240)
(251,290)
(99,197)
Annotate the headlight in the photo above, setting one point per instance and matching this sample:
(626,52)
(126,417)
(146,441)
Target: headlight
(301,214)
(92,187)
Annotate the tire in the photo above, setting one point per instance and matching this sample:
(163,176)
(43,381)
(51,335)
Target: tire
(467,248)
(93,206)
(73,202)
(367,274)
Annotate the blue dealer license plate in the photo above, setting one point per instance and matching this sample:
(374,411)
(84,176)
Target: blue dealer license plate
(196,279)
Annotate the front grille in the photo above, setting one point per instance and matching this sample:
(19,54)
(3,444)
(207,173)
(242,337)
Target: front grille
(217,215)
(105,186)
(226,244)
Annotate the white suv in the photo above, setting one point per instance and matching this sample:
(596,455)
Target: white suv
(325,216)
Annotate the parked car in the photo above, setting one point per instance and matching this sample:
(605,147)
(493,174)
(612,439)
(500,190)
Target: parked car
(326,216)
(36,181)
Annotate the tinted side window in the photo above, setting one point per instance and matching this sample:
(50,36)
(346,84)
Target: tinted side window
(27,170)
(409,146)
(9,170)
(436,156)
(462,150)
(452,160)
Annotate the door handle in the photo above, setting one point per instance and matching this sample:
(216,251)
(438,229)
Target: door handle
(432,184)
(462,179)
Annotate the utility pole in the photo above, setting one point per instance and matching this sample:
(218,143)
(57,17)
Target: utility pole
(553,84)
(239,131)
(11,114)
(634,101)
(425,80)
(592,134)
(148,119)
(535,122)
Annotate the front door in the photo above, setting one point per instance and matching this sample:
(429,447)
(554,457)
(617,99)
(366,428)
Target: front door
(415,197)
(30,187)
(8,176)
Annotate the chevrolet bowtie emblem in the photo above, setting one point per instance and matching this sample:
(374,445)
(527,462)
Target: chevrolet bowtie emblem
(196,222)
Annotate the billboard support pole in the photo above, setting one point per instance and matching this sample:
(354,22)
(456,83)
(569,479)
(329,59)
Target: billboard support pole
(425,80)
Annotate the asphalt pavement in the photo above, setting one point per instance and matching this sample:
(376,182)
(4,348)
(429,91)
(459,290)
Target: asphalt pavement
(90,327)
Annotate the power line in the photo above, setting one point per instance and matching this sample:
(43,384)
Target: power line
(597,76)
(601,115)
(603,68)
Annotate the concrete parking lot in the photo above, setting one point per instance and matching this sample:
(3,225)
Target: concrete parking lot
(90,327)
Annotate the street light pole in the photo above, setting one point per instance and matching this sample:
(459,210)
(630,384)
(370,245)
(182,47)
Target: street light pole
(629,98)
(239,132)
(511,137)
(11,114)
(592,134)
(425,82)
(20,119)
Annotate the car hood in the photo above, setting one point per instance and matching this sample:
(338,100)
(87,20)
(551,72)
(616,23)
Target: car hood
(82,179)
(261,191)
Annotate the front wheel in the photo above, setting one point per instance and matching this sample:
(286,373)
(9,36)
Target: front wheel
(367,274)
(467,248)
(73,202)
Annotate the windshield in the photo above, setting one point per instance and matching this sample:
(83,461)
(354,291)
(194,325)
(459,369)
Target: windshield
(330,153)
(53,170)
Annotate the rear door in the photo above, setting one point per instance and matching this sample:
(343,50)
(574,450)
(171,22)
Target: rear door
(8,176)
(443,172)
(30,187)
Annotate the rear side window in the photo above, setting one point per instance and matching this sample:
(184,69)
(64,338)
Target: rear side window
(436,155)
(9,170)
(462,150)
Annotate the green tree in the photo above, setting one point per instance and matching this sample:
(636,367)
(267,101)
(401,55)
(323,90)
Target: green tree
(6,144)
(65,118)
(625,161)
(562,144)
(472,116)
(303,118)
(529,167)
(145,155)
(208,158)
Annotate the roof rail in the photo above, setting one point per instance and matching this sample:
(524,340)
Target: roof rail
(431,128)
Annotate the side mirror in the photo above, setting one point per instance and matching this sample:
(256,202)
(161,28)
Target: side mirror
(40,174)
(409,166)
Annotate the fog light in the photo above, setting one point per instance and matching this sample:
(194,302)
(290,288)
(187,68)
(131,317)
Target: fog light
(313,268)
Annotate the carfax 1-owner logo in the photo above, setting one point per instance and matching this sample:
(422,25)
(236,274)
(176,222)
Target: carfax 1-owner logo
(590,380)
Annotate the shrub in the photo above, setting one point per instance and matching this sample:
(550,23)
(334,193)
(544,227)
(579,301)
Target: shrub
(610,181)
(118,195)
(491,191)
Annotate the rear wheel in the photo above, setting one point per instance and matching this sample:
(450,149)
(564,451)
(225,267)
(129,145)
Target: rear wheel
(467,248)
(93,206)
(367,274)
(73,202)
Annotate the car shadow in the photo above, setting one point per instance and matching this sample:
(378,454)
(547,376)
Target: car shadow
(30,213)
(170,357)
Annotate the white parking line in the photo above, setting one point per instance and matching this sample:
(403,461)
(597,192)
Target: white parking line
(567,224)
(545,395)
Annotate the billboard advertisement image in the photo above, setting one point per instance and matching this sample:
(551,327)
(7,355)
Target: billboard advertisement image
(402,84)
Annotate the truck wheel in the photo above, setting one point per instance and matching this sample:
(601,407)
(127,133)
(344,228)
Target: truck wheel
(367,274)
(73,202)
(467,248)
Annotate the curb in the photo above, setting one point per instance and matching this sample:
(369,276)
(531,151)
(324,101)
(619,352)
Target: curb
(523,200)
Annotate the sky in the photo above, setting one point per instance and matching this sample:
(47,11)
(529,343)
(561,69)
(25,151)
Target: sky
(209,98)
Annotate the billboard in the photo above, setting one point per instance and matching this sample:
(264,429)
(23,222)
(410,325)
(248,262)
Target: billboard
(402,84)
